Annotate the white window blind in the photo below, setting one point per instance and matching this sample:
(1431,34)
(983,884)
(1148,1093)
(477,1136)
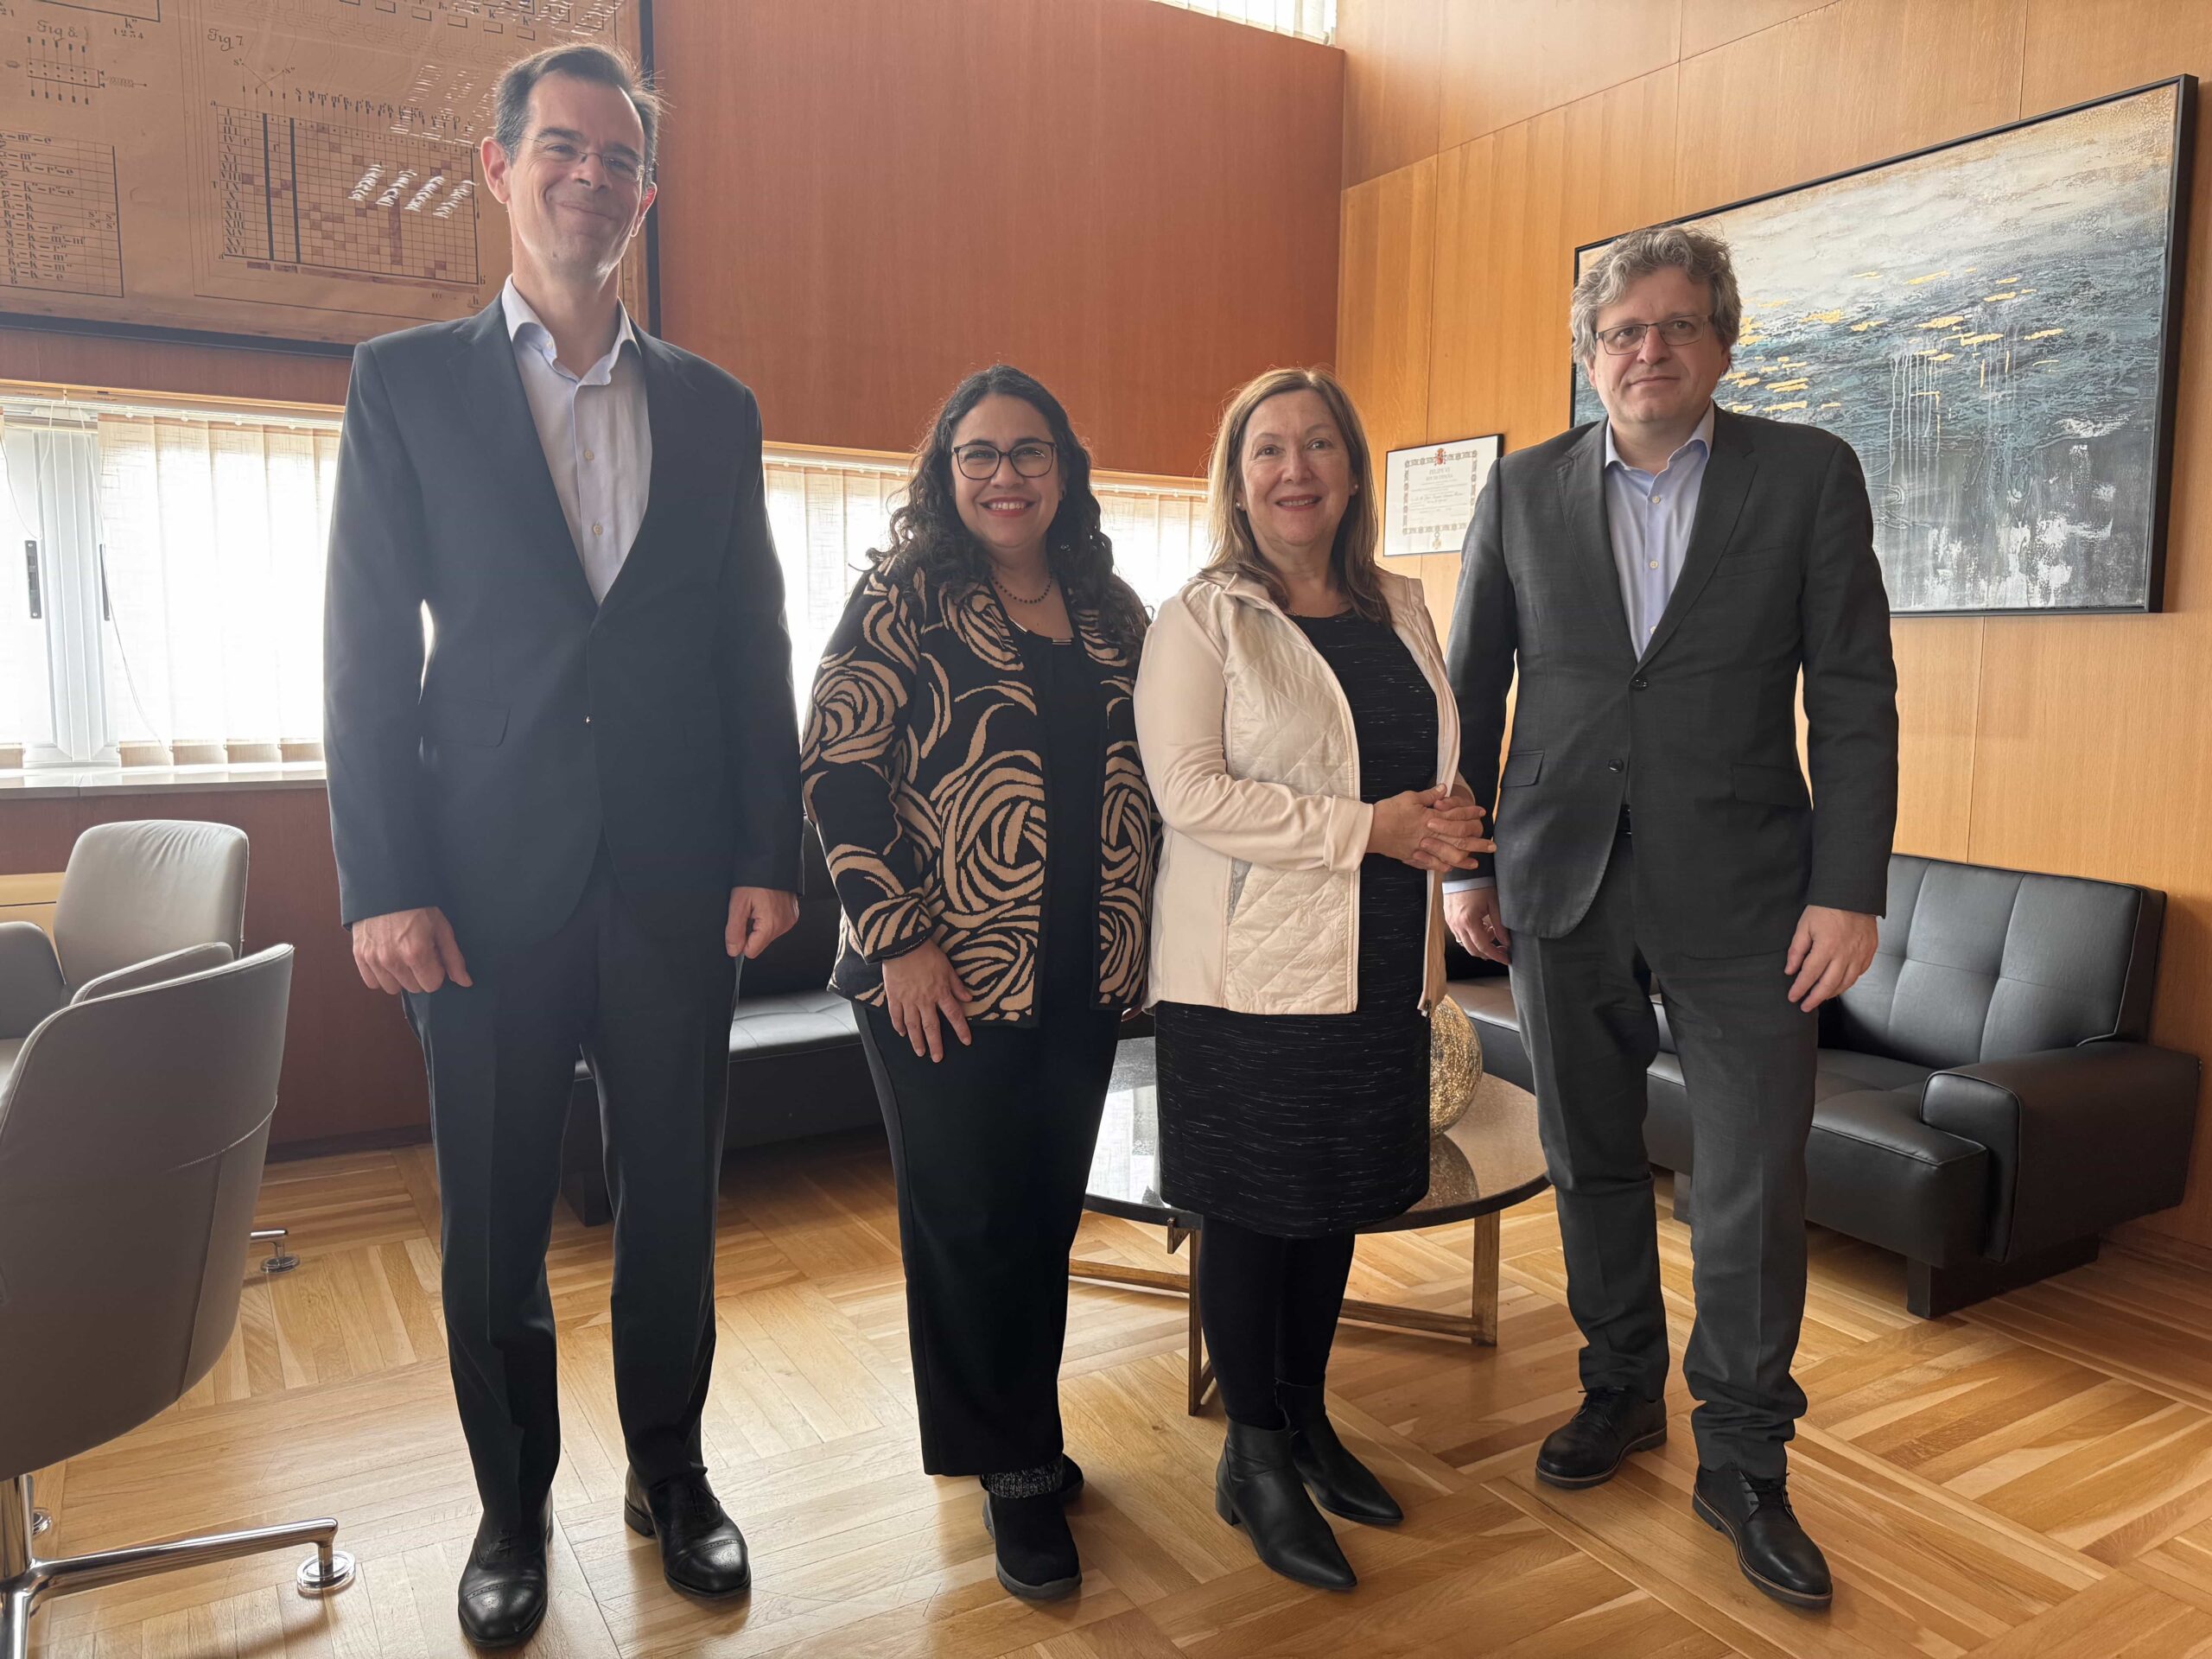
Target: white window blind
(162,574)
(214,536)
(1313,20)
(829,509)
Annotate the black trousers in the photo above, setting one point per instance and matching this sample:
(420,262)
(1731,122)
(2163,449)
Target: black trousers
(1269,1307)
(501,1058)
(1748,1059)
(991,1147)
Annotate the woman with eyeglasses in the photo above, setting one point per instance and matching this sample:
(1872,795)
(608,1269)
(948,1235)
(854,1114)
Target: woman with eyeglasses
(970,759)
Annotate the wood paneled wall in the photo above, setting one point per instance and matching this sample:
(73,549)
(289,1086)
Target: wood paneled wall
(1488,139)
(861,202)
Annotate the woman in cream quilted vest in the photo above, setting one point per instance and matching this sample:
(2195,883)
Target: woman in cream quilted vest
(1302,745)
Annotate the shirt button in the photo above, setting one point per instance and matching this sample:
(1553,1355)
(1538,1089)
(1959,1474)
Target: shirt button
(1654,565)
(587,454)
(587,720)
(594,530)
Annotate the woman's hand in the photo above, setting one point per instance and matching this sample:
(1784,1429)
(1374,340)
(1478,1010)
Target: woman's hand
(919,985)
(1430,829)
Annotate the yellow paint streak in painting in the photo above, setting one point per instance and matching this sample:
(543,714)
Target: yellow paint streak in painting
(1939,357)
(1821,316)
(1915,281)
(1777,409)
(1872,322)
(1992,299)
(2046,334)
(1945,322)
(1979,339)
(1789,386)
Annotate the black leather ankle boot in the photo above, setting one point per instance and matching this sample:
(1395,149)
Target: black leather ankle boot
(1340,1483)
(1257,1487)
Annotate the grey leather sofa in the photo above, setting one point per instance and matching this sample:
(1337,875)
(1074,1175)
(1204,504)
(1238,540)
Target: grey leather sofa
(1988,1100)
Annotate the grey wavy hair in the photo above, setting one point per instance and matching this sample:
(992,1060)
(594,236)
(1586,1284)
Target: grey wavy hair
(1699,255)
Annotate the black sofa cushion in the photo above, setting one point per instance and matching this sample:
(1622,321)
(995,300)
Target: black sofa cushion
(1983,964)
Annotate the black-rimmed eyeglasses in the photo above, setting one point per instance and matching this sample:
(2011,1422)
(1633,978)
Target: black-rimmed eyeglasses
(1629,337)
(1032,458)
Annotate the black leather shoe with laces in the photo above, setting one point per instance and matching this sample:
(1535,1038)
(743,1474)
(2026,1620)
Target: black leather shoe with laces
(702,1551)
(503,1587)
(1771,1547)
(1589,1448)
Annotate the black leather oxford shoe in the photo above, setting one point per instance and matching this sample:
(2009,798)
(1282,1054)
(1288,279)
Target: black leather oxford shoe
(702,1551)
(503,1587)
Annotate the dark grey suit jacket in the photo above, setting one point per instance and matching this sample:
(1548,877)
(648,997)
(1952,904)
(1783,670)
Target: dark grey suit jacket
(544,721)
(1697,735)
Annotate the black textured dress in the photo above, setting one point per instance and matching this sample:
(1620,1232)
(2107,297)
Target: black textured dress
(1305,1125)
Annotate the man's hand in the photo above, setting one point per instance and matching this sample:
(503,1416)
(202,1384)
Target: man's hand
(407,951)
(1474,921)
(1832,948)
(758,918)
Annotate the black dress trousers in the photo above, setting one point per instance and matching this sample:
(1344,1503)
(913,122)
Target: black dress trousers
(991,1146)
(653,1019)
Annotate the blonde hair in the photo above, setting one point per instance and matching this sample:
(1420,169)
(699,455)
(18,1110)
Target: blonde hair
(1235,552)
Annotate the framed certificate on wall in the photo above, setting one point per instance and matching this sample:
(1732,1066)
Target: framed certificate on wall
(1428,494)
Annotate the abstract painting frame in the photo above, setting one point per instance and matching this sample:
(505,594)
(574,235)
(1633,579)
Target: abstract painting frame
(1994,322)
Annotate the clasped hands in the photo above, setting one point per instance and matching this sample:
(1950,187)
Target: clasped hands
(1435,829)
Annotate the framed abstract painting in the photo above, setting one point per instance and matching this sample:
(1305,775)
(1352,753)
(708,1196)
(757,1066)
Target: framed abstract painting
(1992,324)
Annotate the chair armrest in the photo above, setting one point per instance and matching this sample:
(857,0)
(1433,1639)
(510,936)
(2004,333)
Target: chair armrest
(30,978)
(2079,1139)
(173,964)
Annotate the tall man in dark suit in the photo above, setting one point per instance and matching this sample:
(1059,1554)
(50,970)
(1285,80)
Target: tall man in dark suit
(1660,578)
(558,833)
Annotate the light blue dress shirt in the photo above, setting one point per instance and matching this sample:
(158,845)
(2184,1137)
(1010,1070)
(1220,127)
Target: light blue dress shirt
(1649,517)
(596,434)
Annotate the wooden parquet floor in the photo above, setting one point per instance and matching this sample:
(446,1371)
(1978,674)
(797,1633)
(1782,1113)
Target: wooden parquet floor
(2032,1478)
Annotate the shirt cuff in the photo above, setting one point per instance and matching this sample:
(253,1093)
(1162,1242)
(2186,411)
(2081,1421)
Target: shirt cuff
(1469,883)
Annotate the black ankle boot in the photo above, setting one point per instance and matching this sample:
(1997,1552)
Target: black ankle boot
(1037,1558)
(1257,1487)
(1341,1483)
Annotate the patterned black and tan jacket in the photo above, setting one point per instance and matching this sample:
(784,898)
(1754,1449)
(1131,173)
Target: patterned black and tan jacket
(924,770)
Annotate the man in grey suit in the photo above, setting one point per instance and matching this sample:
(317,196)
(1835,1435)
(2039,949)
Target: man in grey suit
(1660,578)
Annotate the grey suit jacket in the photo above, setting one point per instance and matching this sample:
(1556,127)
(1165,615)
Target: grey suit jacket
(1697,735)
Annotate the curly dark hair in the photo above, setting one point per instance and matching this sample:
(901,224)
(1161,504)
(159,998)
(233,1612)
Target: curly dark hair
(927,535)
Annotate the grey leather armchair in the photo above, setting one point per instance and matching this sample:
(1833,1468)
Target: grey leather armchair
(132,893)
(133,1126)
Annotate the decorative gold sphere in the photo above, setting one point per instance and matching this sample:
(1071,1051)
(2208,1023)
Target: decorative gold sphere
(1455,1064)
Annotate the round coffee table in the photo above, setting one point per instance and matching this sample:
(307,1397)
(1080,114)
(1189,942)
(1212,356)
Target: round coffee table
(1486,1162)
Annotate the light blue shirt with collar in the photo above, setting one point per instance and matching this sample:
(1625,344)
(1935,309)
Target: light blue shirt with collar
(1649,517)
(596,434)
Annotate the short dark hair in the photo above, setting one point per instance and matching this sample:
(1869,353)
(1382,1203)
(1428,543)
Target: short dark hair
(602,64)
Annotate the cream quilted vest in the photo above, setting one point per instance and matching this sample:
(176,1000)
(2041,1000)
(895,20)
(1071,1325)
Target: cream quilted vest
(1247,745)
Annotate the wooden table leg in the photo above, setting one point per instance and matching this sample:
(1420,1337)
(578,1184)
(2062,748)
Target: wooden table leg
(1485,1309)
(1200,1365)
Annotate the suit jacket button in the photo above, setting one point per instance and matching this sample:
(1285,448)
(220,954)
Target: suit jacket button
(1639,683)
(1616,765)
